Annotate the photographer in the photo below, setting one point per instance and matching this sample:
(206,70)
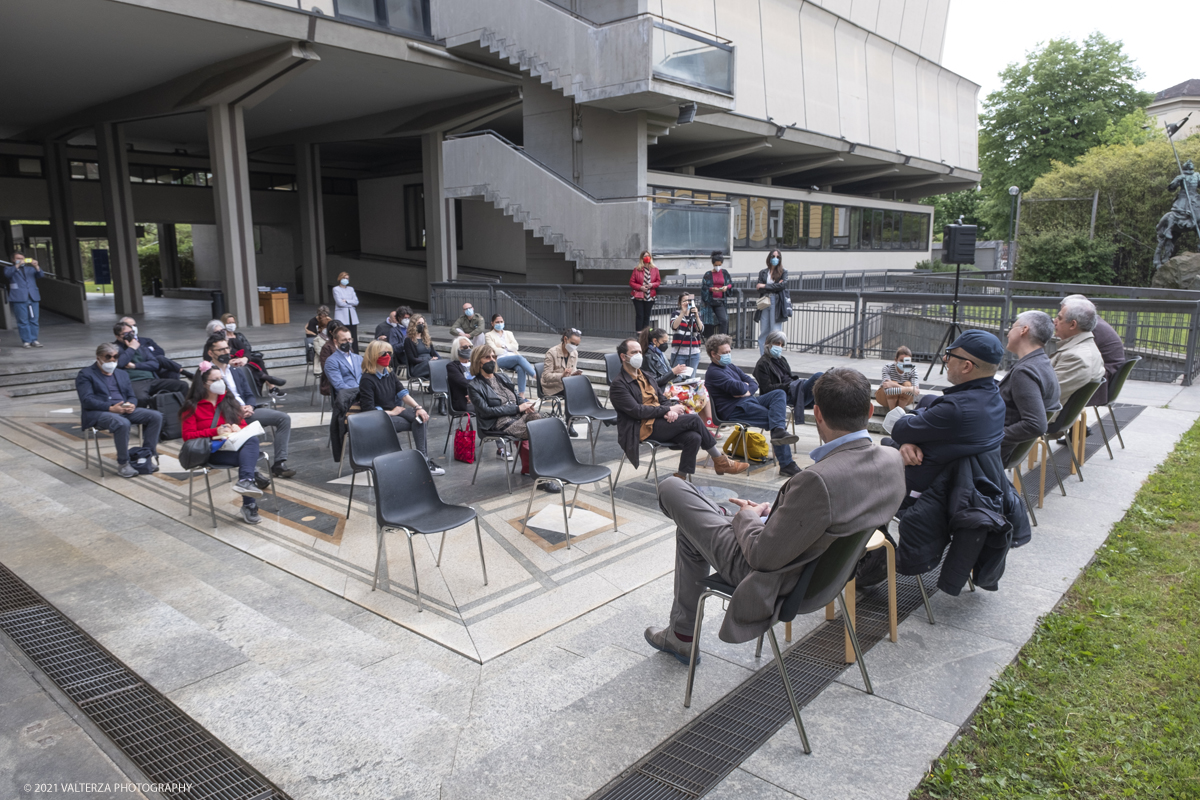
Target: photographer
(899,387)
(686,342)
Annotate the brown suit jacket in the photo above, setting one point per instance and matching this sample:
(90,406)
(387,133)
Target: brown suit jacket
(859,485)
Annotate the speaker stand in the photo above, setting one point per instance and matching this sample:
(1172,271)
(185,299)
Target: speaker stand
(952,332)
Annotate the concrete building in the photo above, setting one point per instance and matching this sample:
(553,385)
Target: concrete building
(1172,105)
(414,141)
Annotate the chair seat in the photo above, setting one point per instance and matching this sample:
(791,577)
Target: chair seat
(668,445)
(435,520)
(876,540)
(581,473)
(715,583)
(602,414)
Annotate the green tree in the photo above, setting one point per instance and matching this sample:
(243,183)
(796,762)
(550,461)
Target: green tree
(1052,108)
(1057,257)
(947,208)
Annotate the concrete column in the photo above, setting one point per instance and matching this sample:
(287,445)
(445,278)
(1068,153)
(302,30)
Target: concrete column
(118,215)
(168,256)
(312,223)
(441,253)
(231,199)
(68,265)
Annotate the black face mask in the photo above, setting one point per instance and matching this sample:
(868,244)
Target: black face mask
(665,346)
(224,358)
(127,336)
(490,367)
(421,328)
(344,347)
(465,353)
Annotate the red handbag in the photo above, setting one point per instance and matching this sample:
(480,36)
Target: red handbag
(464,442)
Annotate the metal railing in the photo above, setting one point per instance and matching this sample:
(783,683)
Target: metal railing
(869,316)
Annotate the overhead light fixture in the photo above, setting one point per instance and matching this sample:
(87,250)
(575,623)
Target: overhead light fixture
(687,114)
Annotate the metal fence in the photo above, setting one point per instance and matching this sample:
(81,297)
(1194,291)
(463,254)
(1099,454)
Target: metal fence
(869,315)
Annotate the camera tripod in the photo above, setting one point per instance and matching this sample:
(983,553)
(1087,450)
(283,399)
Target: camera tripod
(953,331)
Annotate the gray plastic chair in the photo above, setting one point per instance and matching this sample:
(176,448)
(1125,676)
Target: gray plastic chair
(582,403)
(612,367)
(1062,425)
(439,383)
(1114,391)
(552,459)
(370,435)
(555,400)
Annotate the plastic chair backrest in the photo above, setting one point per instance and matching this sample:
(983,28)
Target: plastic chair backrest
(1118,380)
(438,382)
(612,366)
(1018,455)
(254,399)
(550,450)
(538,369)
(371,436)
(580,396)
(1072,408)
(404,488)
(829,573)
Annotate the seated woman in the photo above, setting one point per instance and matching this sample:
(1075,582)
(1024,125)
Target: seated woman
(210,411)
(654,343)
(381,389)
(418,348)
(458,375)
(498,407)
(899,386)
(505,346)
(243,353)
(316,329)
(772,371)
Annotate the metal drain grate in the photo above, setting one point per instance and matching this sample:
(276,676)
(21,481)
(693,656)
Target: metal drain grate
(164,743)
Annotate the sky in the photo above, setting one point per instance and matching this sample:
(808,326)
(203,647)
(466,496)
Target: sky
(983,38)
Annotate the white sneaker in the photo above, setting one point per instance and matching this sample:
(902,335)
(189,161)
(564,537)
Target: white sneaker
(434,469)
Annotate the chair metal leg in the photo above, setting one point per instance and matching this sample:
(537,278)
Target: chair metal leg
(441,547)
(925,599)
(449,428)
(695,650)
(412,556)
(1113,416)
(620,466)
(479,539)
(508,472)
(862,667)
(212,507)
(787,688)
(349,502)
(970,583)
(654,464)
(529,505)
(594,438)
(379,554)
(573,500)
(1104,433)
(191,475)
(478,458)
(758,646)
(87,449)
(612,498)
(345,453)
(566,520)
(1074,460)
(1047,457)
(1019,484)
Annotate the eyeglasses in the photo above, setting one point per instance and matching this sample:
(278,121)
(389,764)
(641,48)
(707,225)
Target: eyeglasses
(108,358)
(946,356)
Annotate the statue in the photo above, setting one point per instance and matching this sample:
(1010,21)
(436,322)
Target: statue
(1182,216)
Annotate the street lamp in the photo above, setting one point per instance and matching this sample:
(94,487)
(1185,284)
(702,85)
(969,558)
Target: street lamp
(1013,191)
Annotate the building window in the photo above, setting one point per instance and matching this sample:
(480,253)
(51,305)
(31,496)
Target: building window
(85,170)
(402,15)
(757,221)
(414,218)
(741,222)
(816,214)
(839,220)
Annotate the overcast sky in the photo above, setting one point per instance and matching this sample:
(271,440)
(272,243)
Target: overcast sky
(982,38)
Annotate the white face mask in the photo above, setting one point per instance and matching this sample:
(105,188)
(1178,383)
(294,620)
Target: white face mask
(572,348)
(134,327)
(635,361)
(109,367)
(231,326)
(217,388)
(344,281)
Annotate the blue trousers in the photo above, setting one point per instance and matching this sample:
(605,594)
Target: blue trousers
(244,459)
(27,320)
(524,369)
(119,424)
(767,411)
(800,395)
(692,361)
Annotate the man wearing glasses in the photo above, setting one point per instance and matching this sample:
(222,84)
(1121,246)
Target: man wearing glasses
(968,419)
(107,402)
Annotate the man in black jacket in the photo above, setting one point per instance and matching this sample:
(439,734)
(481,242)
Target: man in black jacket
(141,363)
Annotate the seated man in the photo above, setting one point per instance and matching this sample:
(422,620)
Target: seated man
(560,362)
(731,392)
(458,374)
(1076,360)
(107,401)
(469,324)
(644,412)
(216,352)
(772,371)
(1030,389)
(968,418)
(397,335)
(142,366)
(854,485)
(1111,348)
(384,328)
(168,368)
(343,367)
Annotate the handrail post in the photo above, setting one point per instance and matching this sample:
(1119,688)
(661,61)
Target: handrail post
(860,330)
(1193,332)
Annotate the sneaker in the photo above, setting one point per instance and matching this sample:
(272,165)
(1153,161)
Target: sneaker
(712,426)
(727,466)
(550,488)
(26,344)
(780,437)
(247,487)
(154,464)
(126,470)
(789,469)
(36,343)
(280,470)
(435,470)
(250,514)
(666,641)
(278,395)
(500,453)
(261,479)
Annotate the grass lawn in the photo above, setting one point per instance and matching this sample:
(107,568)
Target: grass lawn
(90,286)
(1104,700)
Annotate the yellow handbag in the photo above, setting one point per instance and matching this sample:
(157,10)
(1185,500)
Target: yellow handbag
(756,445)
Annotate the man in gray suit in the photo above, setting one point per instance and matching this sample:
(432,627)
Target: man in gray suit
(854,485)
(1076,360)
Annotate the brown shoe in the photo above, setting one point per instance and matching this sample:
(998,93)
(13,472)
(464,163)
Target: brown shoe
(727,466)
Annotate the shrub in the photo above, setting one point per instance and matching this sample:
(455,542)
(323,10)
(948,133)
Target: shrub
(1063,257)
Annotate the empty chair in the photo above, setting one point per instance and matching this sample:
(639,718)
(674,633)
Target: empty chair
(552,458)
(582,403)
(370,435)
(1061,425)
(612,367)
(653,444)
(406,500)
(439,384)
(822,580)
(1114,391)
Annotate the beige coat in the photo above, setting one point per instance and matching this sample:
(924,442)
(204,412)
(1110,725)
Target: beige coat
(501,341)
(1077,362)
(554,366)
(859,485)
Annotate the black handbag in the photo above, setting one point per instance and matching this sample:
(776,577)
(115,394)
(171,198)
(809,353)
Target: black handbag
(195,452)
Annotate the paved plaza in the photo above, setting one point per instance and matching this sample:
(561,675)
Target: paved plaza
(538,684)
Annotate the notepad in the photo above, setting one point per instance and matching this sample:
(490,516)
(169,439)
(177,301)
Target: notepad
(235,441)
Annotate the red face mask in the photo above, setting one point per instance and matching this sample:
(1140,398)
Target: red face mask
(645,259)
(384,360)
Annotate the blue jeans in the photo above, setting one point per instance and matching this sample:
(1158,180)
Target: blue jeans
(245,459)
(692,361)
(119,424)
(800,396)
(766,325)
(766,411)
(27,320)
(523,368)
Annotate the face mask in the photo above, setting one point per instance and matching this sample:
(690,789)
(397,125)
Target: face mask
(128,336)
(499,326)
(464,354)
(776,351)
(726,359)
(645,259)
(344,281)
(421,328)
(384,360)
(231,326)
(665,346)
(217,388)
(489,367)
(108,367)
(774,262)
(635,361)
(223,358)
(135,330)
(344,347)
(572,348)
(468,312)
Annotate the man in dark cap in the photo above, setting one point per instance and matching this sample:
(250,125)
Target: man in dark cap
(966,420)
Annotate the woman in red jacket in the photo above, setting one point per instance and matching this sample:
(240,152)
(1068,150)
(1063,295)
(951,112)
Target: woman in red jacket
(644,284)
(210,411)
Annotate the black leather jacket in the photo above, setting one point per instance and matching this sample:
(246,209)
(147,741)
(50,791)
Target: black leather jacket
(489,407)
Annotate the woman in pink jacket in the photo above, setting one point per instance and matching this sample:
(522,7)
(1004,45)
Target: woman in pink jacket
(644,285)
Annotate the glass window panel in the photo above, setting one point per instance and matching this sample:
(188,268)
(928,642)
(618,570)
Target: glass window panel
(791,225)
(840,223)
(718,196)
(29,166)
(758,223)
(775,223)
(816,216)
(78,171)
(357,9)
(260,180)
(692,60)
(924,243)
(827,228)
(683,195)
(741,222)
(690,229)
(135,173)
(877,230)
(889,239)
(406,15)
(661,195)
(856,228)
